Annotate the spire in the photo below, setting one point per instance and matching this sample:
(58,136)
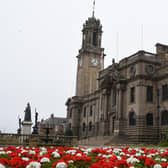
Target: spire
(93,9)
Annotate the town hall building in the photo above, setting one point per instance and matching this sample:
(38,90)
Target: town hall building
(128,99)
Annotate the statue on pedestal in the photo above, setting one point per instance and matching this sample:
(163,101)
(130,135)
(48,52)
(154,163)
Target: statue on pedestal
(27,113)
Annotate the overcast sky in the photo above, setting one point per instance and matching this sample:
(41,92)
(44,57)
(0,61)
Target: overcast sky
(39,41)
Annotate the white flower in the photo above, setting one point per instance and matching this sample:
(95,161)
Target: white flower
(132,160)
(25,158)
(78,154)
(70,161)
(157,166)
(86,152)
(164,160)
(109,150)
(118,157)
(43,149)
(157,159)
(72,152)
(61,165)
(8,152)
(42,153)
(32,152)
(23,151)
(2,166)
(116,150)
(34,164)
(122,154)
(99,154)
(44,159)
(55,154)
(2,152)
(138,154)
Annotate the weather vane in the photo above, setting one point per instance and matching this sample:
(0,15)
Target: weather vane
(93,8)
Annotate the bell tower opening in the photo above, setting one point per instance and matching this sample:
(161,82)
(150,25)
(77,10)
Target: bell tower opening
(95,39)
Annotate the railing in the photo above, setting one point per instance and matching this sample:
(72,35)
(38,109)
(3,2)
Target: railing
(37,140)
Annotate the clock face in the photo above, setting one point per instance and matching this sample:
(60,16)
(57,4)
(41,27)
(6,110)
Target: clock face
(94,61)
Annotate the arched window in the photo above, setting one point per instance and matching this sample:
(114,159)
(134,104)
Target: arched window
(84,127)
(165,117)
(90,126)
(149,119)
(132,118)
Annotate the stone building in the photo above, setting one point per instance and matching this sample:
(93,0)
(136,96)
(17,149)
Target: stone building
(55,125)
(128,99)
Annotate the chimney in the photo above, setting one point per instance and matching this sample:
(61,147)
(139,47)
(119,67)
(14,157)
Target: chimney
(161,49)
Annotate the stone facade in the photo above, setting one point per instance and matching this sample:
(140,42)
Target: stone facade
(55,126)
(127,99)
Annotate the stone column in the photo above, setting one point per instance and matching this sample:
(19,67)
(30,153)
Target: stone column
(106,124)
(120,118)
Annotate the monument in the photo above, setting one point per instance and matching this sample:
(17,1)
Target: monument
(27,123)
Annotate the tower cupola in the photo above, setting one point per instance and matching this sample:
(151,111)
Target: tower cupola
(92,32)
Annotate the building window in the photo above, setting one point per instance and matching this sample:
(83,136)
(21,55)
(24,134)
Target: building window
(84,127)
(84,112)
(149,94)
(149,119)
(90,126)
(114,96)
(70,113)
(164,117)
(165,92)
(91,110)
(132,118)
(132,94)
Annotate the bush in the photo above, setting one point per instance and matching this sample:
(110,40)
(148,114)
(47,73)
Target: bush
(68,132)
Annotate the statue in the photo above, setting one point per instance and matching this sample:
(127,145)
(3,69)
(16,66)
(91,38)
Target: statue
(35,128)
(20,122)
(19,129)
(27,113)
(113,61)
(36,118)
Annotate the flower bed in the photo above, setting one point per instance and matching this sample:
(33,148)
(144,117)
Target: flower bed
(67,157)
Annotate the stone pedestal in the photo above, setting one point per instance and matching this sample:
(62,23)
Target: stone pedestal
(26,127)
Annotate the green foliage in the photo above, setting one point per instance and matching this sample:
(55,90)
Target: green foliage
(164,143)
(167,135)
(68,132)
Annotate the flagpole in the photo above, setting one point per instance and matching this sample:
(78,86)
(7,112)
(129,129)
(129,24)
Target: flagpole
(141,36)
(117,45)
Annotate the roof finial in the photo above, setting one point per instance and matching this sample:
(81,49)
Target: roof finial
(93,8)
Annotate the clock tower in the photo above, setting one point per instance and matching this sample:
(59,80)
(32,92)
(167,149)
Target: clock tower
(90,58)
